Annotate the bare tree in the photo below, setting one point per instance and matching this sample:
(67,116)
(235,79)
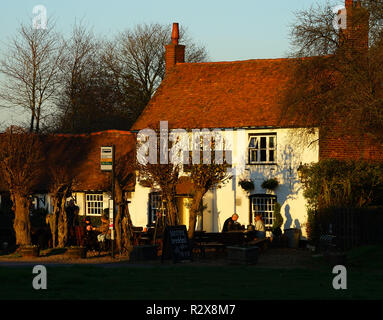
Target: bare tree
(20,164)
(338,87)
(204,177)
(165,177)
(91,97)
(30,67)
(140,53)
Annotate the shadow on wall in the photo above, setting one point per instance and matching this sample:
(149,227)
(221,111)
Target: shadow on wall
(288,189)
(289,184)
(288,220)
(297,224)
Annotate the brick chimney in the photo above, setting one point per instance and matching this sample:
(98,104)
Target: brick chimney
(174,52)
(355,37)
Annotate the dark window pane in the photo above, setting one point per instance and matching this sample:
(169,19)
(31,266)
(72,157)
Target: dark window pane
(263,155)
(263,142)
(271,142)
(271,155)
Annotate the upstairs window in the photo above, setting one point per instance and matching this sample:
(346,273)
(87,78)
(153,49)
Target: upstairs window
(262,149)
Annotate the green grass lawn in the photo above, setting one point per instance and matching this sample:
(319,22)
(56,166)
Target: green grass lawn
(365,281)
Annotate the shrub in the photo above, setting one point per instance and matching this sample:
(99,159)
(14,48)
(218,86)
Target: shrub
(312,227)
(335,183)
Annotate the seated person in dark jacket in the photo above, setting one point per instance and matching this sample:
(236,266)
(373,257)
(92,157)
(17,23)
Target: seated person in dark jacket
(231,224)
(90,238)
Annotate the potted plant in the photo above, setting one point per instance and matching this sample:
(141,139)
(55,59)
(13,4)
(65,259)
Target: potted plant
(246,185)
(270,184)
(29,251)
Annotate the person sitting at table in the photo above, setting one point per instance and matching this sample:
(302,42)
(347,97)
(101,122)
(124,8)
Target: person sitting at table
(103,230)
(90,240)
(259,227)
(231,224)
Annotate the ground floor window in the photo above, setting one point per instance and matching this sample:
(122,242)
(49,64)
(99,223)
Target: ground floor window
(94,203)
(265,205)
(156,206)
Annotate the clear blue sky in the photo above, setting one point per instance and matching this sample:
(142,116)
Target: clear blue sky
(229,29)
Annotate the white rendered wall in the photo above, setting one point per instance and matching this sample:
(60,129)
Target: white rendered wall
(291,152)
(231,198)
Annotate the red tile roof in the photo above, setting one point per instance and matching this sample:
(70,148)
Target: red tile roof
(220,95)
(238,94)
(80,154)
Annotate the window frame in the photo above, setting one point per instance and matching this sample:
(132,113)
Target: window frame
(258,150)
(268,226)
(151,214)
(100,209)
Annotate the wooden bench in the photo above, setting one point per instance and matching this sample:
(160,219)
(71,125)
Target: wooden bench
(217,241)
(205,240)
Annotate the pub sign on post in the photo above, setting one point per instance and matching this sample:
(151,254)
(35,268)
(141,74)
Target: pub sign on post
(106,158)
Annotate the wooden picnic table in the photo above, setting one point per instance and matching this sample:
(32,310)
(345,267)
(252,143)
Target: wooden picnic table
(220,240)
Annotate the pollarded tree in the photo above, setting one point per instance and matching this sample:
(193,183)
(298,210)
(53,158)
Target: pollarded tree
(165,177)
(20,163)
(60,189)
(204,177)
(211,171)
(124,177)
(160,171)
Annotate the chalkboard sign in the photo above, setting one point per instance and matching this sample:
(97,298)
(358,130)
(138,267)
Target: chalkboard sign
(176,244)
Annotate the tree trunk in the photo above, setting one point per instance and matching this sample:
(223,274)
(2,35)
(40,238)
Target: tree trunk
(38,120)
(52,221)
(194,210)
(172,210)
(60,219)
(22,223)
(123,222)
(31,124)
(62,225)
(117,222)
(127,227)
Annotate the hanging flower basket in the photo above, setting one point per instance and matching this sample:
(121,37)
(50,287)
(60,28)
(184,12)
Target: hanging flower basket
(270,184)
(246,185)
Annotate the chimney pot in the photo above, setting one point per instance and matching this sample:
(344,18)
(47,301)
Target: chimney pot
(175,33)
(349,4)
(174,52)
